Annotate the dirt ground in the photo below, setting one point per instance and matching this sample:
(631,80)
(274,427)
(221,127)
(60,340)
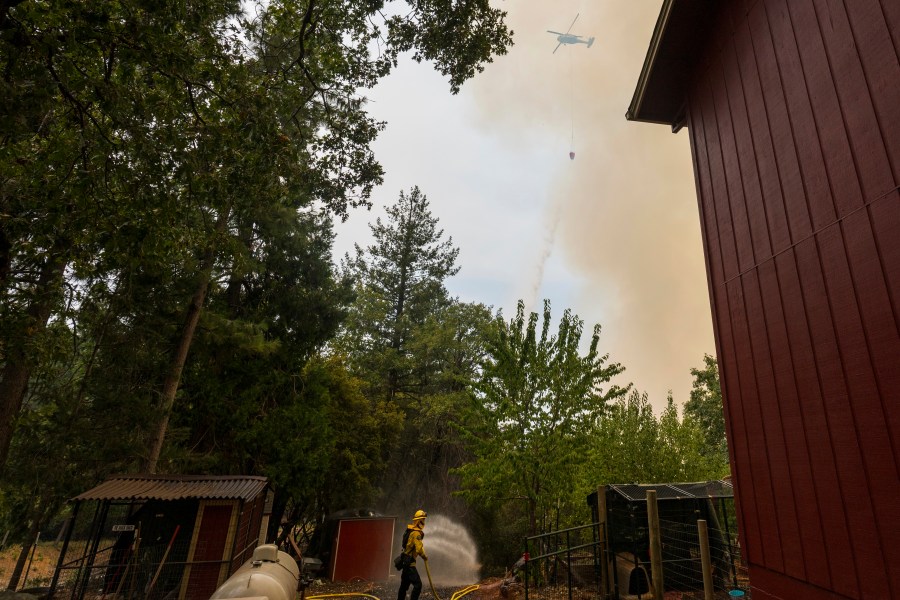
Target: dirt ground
(43,562)
(488,590)
(46,555)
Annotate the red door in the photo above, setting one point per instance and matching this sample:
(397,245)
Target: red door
(210,545)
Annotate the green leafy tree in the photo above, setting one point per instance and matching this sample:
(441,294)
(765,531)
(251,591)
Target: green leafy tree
(138,140)
(536,399)
(705,406)
(65,437)
(447,352)
(624,443)
(330,446)
(631,445)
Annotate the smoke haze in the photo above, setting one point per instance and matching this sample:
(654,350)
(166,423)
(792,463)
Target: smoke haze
(623,215)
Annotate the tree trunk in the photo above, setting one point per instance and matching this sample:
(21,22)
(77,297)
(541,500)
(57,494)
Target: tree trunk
(279,504)
(17,370)
(5,257)
(179,358)
(236,281)
(23,555)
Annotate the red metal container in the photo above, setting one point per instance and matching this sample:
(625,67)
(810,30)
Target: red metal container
(362,549)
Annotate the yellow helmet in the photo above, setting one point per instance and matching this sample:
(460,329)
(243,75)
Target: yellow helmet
(420,515)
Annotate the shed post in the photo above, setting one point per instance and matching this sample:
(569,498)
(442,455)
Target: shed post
(68,527)
(655,545)
(96,533)
(705,561)
(603,537)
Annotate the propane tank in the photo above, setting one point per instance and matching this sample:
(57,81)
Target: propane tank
(271,574)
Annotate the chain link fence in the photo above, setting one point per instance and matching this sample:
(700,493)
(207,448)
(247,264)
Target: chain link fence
(108,558)
(563,565)
(682,564)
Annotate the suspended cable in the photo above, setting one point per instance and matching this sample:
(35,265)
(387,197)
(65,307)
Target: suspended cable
(571,105)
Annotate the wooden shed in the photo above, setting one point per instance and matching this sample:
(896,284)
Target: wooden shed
(793,112)
(160,536)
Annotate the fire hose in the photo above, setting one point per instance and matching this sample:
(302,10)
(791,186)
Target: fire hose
(466,590)
(456,595)
(433,591)
(340,595)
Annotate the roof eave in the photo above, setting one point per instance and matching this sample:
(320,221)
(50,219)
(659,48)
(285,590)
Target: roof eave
(672,57)
(637,100)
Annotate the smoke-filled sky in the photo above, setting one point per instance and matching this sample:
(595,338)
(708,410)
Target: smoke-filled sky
(614,234)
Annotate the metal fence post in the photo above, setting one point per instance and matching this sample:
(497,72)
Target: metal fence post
(604,549)
(525,568)
(37,541)
(68,526)
(705,560)
(569,564)
(655,545)
(730,542)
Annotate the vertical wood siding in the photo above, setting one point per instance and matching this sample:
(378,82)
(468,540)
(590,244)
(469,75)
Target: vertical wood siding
(794,118)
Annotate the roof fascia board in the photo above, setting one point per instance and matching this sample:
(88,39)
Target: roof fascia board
(662,23)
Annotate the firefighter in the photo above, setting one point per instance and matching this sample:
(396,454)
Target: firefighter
(412,547)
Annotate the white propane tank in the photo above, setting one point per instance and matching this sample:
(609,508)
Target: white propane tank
(271,574)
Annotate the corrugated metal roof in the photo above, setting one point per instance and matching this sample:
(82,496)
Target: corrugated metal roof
(176,487)
(718,488)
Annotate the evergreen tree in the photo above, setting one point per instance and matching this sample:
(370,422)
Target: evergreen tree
(400,284)
(135,139)
(416,348)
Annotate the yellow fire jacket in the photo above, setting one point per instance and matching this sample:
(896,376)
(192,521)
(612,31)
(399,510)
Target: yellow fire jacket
(414,545)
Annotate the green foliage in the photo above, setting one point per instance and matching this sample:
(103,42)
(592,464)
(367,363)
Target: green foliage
(66,436)
(325,446)
(705,406)
(632,445)
(415,347)
(446,351)
(400,285)
(535,400)
(161,157)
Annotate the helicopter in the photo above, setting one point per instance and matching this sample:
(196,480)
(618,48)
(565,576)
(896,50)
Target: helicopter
(570,38)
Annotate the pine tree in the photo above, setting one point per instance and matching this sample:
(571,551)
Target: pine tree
(400,284)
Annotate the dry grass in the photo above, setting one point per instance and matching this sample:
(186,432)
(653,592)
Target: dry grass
(44,562)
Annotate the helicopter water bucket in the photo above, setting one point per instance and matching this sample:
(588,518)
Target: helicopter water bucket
(571,156)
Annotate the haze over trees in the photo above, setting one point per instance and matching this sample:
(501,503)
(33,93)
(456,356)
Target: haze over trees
(169,302)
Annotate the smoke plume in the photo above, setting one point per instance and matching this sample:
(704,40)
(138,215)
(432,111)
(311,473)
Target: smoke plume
(623,215)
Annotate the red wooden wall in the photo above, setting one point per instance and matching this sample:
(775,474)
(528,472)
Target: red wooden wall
(794,118)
